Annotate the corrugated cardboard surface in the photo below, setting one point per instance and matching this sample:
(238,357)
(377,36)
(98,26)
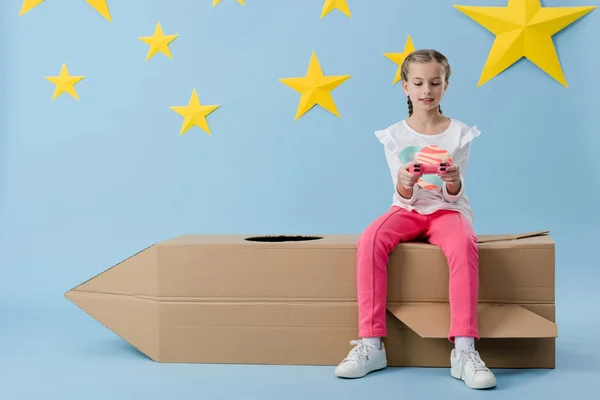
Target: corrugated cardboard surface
(225,299)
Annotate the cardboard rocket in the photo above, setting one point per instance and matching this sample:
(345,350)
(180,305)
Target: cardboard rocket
(292,300)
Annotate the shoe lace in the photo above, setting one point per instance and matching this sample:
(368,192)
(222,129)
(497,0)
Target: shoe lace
(359,350)
(474,362)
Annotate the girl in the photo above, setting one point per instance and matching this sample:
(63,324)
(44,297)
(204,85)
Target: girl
(433,207)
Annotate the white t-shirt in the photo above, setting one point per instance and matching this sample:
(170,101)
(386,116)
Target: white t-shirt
(403,144)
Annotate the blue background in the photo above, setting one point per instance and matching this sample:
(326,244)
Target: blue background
(85,184)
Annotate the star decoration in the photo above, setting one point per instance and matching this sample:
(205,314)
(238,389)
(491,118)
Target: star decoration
(28,5)
(215,2)
(65,83)
(194,114)
(330,5)
(523,29)
(102,7)
(158,42)
(398,58)
(315,88)
(99,5)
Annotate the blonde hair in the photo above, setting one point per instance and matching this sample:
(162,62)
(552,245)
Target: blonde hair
(424,56)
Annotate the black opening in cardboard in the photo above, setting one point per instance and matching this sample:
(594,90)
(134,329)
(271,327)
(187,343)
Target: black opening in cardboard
(282,238)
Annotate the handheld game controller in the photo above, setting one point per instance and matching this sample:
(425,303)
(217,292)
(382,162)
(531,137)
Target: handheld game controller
(429,169)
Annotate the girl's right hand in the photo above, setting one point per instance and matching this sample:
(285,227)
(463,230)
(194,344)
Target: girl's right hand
(406,178)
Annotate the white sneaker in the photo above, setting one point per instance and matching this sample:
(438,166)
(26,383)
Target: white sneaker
(469,367)
(361,360)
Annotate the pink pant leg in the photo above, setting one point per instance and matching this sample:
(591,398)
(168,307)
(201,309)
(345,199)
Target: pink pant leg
(453,233)
(373,249)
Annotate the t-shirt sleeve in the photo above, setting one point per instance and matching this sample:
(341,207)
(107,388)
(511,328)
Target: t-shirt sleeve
(472,133)
(385,138)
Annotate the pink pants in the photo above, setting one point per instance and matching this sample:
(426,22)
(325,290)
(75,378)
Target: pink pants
(449,230)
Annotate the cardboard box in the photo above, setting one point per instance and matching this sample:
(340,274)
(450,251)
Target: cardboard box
(292,300)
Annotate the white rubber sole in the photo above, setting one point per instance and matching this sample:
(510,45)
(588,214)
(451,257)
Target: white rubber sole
(455,372)
(376,367)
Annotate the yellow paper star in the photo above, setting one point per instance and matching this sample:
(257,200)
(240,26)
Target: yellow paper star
(523,29)
(315,88)
(215,2)
(28,5)
(330,5)
(99,5)
(65,83)
(102,7)
(194,114)
(158,42)
(398,58)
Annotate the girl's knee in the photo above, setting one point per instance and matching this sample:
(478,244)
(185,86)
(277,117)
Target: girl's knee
(371,238)
(369,233)
(367,237)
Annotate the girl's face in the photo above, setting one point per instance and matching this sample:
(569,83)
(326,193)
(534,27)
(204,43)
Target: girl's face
(425,85)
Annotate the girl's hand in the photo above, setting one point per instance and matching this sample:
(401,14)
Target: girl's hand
(407,179)
(452,179)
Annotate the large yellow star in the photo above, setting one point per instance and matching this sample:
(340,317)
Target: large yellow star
(315,88)
(194,114)
(330,5)
(215,2)
(523,29)
(158,42)
(102,7)
(99,5)
(28,5)
(64,83)
(398,58)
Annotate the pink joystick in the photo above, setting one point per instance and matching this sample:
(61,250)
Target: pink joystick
(429,169)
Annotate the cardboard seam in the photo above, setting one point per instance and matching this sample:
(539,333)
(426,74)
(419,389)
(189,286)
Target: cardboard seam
(244,327)
(267,300)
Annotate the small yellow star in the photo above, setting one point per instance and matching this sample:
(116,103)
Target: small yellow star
(330,5)
(102,7)
(398,58)
(194,114)
(158,42)
(28,5)
(215,2)
(315,88)
(99,5)
(65,83)
(523,29)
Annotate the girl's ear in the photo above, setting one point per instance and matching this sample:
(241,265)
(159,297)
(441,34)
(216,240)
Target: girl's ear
(405,87)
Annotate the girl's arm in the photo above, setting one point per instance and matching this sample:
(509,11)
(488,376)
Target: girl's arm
(406,196)
(453,192)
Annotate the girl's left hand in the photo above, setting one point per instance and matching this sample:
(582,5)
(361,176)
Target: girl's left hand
(452,177)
